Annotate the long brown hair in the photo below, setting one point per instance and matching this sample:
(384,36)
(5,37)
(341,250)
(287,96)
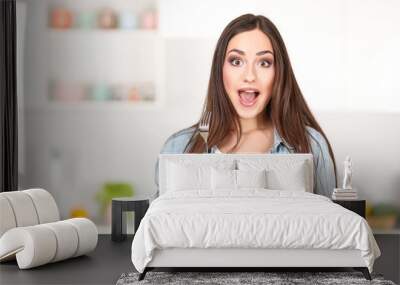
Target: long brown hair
(287,108)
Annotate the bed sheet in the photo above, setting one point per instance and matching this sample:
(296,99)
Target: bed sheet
(250,218)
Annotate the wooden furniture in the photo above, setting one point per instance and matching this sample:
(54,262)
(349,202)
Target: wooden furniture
(139,205)
(357,206)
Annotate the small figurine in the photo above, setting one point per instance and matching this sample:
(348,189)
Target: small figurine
(347,173)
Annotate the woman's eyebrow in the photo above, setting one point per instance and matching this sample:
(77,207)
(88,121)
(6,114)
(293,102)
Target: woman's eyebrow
(264,52)
(242,52)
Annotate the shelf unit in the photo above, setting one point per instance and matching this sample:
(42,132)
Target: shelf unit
(127,58)
(94,136)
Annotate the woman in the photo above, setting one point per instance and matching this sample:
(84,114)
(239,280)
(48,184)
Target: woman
(256,103)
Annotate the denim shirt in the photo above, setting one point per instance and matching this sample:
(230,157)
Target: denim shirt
(324,175)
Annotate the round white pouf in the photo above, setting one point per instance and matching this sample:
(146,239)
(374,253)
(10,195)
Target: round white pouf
(67,240)
(40,244)
(33,246)
(6,215)
(87,233)
(23,208)
(45,205)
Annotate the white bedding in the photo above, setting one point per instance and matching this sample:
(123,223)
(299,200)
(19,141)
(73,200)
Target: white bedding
(250,218)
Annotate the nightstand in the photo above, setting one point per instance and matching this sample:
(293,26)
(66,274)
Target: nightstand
(139,205)
(357,206)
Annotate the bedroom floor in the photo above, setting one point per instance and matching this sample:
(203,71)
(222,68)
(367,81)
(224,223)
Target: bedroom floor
(105,265)
(102,266)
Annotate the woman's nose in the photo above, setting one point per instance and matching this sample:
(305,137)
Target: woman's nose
(250,74)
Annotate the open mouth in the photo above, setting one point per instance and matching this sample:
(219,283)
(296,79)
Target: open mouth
(248,97)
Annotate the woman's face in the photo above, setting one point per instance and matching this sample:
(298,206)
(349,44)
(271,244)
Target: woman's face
(248,72)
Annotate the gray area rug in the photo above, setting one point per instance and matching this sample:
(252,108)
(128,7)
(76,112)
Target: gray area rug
(226,278)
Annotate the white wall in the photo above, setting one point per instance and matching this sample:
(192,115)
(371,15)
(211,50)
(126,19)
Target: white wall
(344,53)
(372,140)
(345,56)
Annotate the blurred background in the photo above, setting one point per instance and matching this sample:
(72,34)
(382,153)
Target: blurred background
(103,83)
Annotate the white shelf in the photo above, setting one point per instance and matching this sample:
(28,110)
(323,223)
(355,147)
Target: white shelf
(114,56)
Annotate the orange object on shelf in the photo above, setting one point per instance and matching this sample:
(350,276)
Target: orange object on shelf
(61,18)
(79,212)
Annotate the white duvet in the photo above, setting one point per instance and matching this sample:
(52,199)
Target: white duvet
(251,218)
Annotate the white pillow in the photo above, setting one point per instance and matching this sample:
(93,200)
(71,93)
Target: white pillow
(251,178)
(187,177)
(223,179)
(293,178)
(237,179)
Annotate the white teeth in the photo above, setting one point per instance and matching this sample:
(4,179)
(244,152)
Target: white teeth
(249,92)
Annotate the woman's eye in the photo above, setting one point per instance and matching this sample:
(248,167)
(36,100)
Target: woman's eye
(235,61)
(265,63)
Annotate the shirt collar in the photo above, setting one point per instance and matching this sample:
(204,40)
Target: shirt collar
(278,140)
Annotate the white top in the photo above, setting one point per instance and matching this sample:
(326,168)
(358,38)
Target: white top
(215,149)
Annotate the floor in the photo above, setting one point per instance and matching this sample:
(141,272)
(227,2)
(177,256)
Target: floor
(102,266)
(110,259)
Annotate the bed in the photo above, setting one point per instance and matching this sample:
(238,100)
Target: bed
(247,210)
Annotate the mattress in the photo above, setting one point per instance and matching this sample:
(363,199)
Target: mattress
(250,219)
